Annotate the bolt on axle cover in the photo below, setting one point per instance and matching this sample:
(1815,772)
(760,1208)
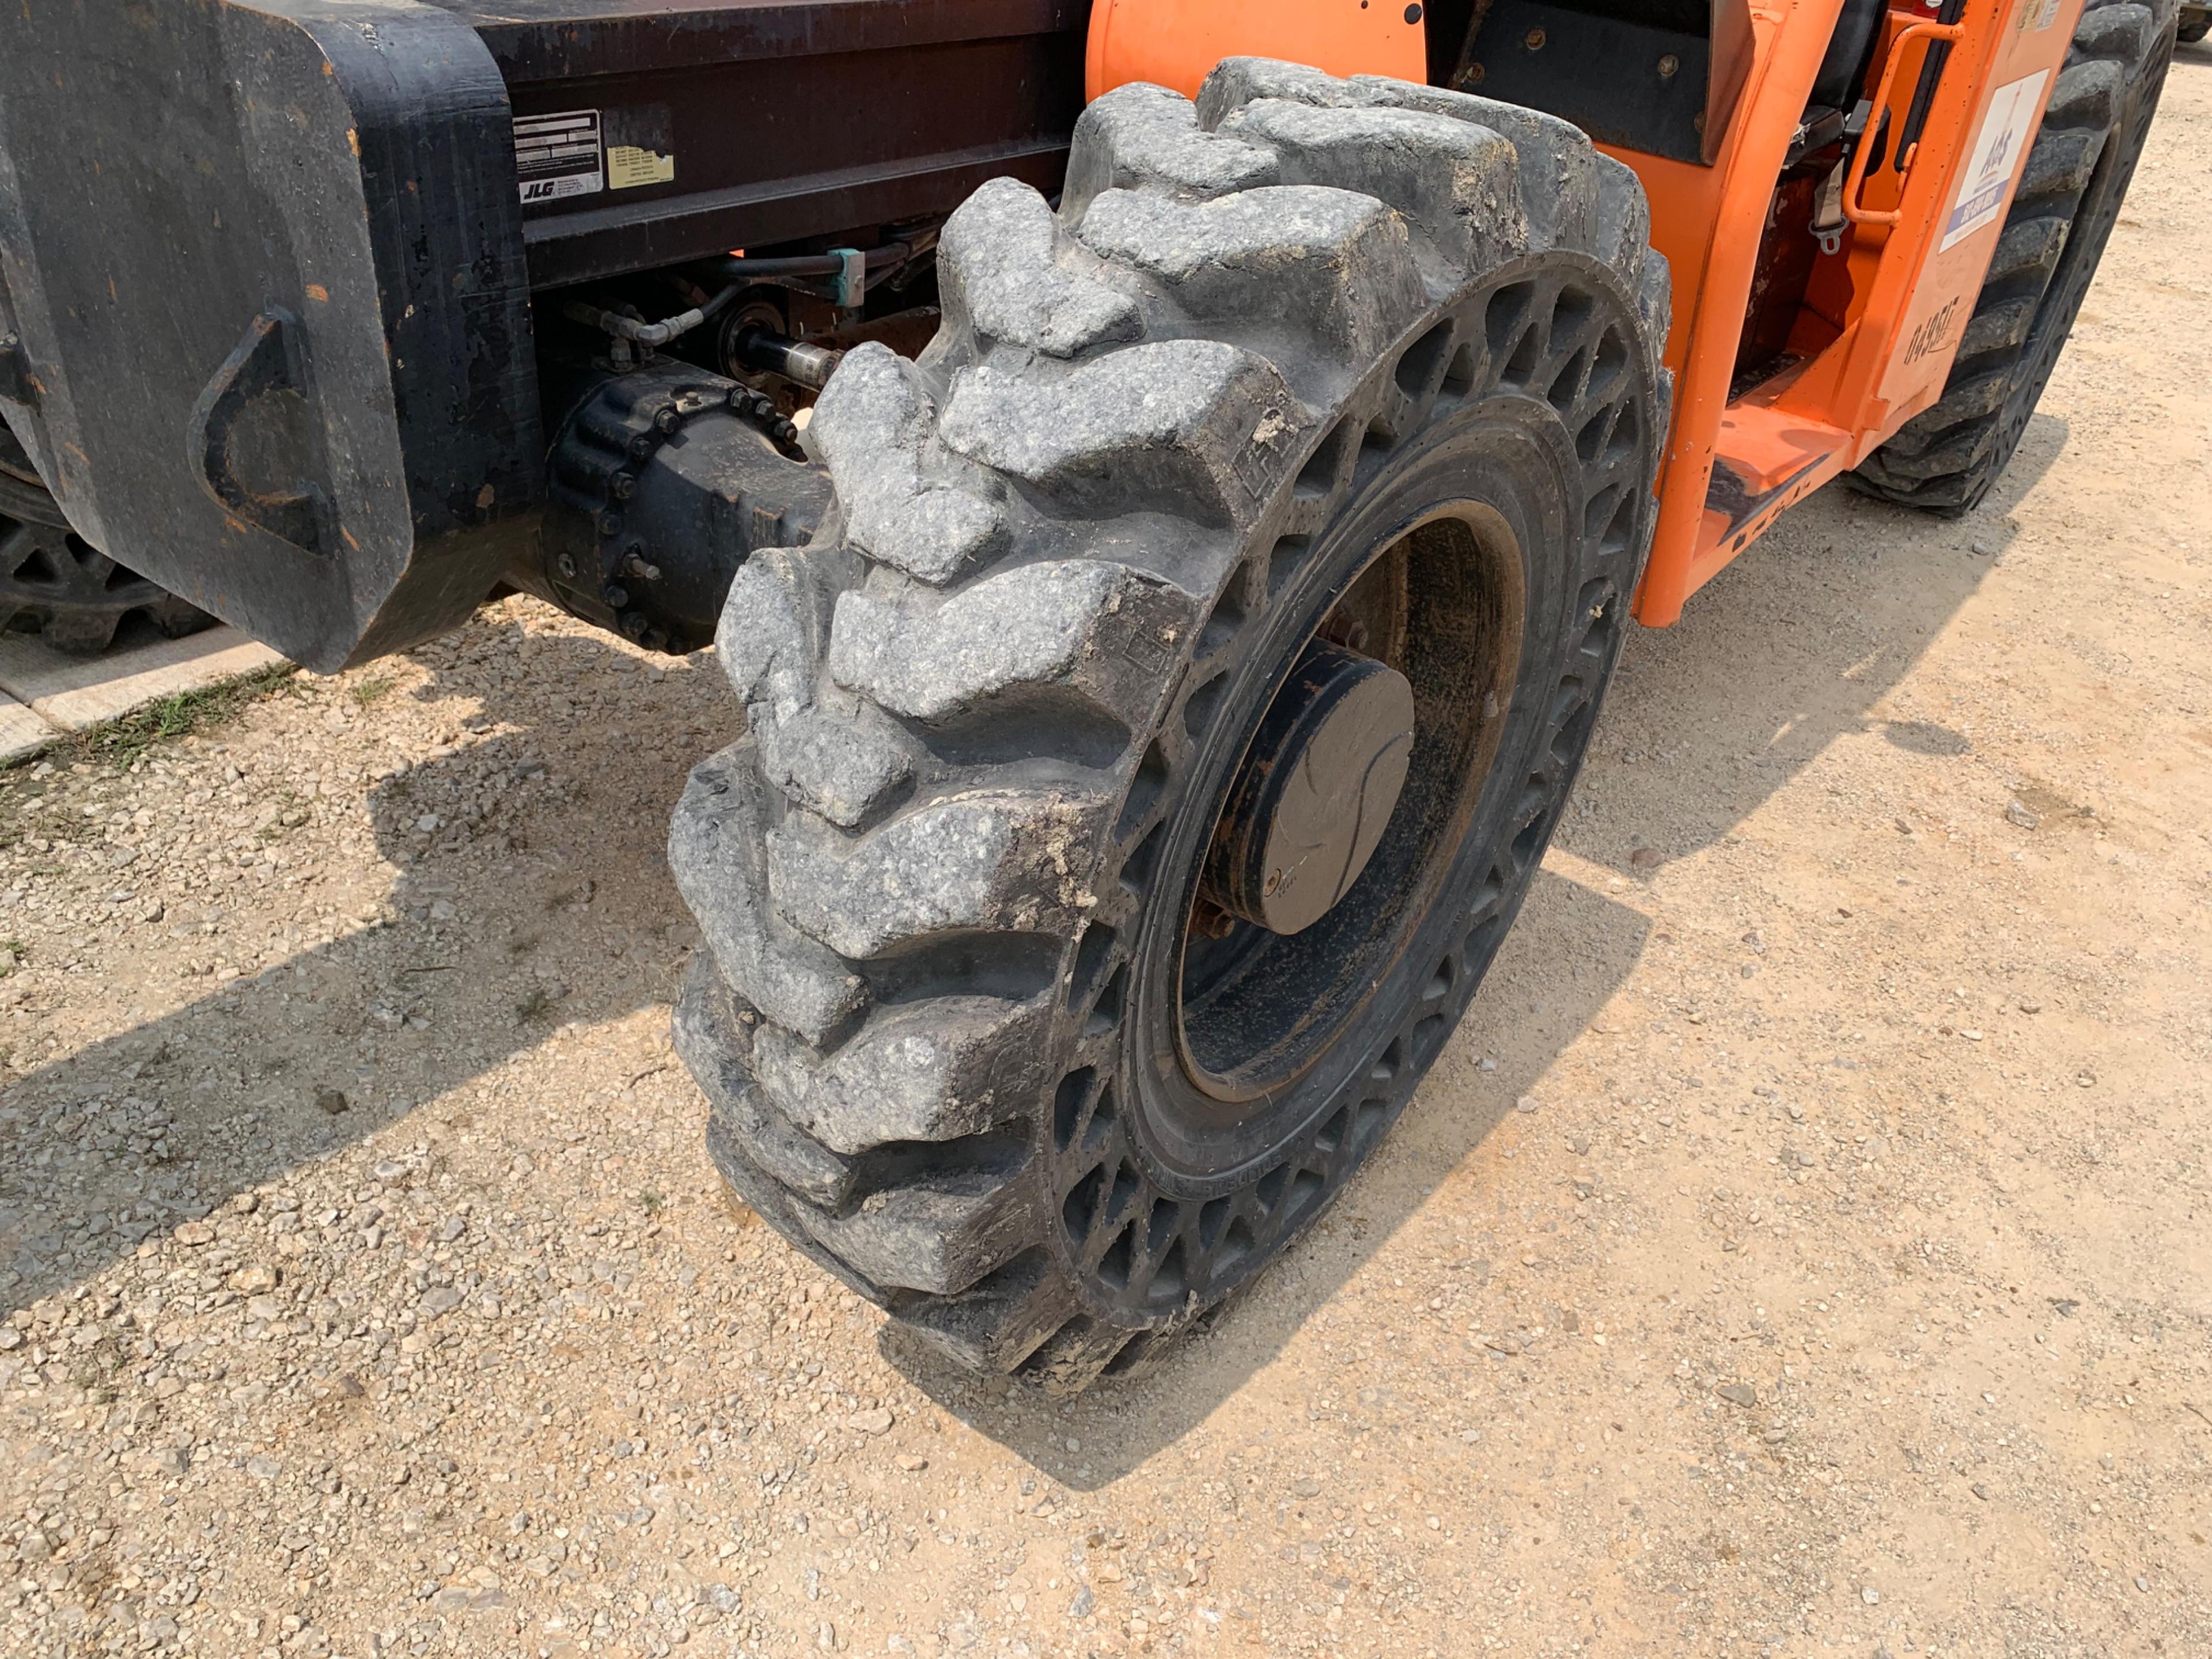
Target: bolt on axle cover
(1316,791)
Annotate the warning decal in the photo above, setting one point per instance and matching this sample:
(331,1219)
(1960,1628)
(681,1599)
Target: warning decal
(1996,150)
(629,165)
(558,156)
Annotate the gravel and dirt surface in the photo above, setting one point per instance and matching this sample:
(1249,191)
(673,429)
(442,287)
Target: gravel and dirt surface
(1801,1248)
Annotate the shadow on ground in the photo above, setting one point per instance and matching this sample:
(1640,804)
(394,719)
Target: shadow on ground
(558,907)
(1788,649)
(567,914)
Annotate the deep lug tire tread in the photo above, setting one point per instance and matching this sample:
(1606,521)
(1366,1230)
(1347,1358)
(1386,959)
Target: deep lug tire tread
(960,692)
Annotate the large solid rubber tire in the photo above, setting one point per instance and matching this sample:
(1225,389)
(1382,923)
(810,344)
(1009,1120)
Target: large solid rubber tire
(1072,550)
(1946,458)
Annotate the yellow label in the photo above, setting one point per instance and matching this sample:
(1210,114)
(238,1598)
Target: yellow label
(629,165)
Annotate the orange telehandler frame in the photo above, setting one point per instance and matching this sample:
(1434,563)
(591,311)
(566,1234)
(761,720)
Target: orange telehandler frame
(1888,297)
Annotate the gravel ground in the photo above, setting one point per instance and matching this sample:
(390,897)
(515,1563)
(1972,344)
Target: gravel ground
(1840,1284)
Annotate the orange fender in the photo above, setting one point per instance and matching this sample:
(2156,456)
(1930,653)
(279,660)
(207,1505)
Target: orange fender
(1174,43)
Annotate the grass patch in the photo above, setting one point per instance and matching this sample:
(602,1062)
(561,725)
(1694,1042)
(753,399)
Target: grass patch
(534,1005)
(184,713)
(653,1203)
(368,690)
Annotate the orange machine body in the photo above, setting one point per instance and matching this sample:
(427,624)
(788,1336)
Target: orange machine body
(1883,313)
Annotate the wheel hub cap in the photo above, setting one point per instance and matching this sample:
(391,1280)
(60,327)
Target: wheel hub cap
(1314,792)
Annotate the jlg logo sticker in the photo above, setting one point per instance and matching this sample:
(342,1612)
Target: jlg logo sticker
(1998,145)
(558,155)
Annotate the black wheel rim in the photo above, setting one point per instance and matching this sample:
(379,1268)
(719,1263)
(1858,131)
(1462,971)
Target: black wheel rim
(1249,1015)
(1528,430)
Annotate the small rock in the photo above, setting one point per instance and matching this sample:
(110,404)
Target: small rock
(877,1421)
(2143,1584)
(2086,1078)
(2017,812)
(264,1309)
(1508,1345)
(911,1464)
(439,1301)
(1980,1490)
(1871,1596)
(172,1461)
(1738,1394)
(263,1468)
(386,1170)
(10,1339)
(195,1233)
(1305,1486)
(1525,1103)
(331,1101)
(1644,857)
(2029,1006)
(1081,1605)
(253,1279)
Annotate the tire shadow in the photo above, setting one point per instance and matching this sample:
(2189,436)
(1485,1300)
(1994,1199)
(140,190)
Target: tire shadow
(1568,935)
(1789,649)
(544,897)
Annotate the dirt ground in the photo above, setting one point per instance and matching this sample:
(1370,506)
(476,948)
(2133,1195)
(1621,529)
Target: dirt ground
(1839,1285)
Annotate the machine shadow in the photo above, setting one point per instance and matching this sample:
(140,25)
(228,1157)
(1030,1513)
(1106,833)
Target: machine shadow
(572,915)
(1568,934)
(1790,648)
(557,907)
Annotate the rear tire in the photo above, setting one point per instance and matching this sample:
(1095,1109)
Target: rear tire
(1946,458)
(55,582)
(1296,359)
